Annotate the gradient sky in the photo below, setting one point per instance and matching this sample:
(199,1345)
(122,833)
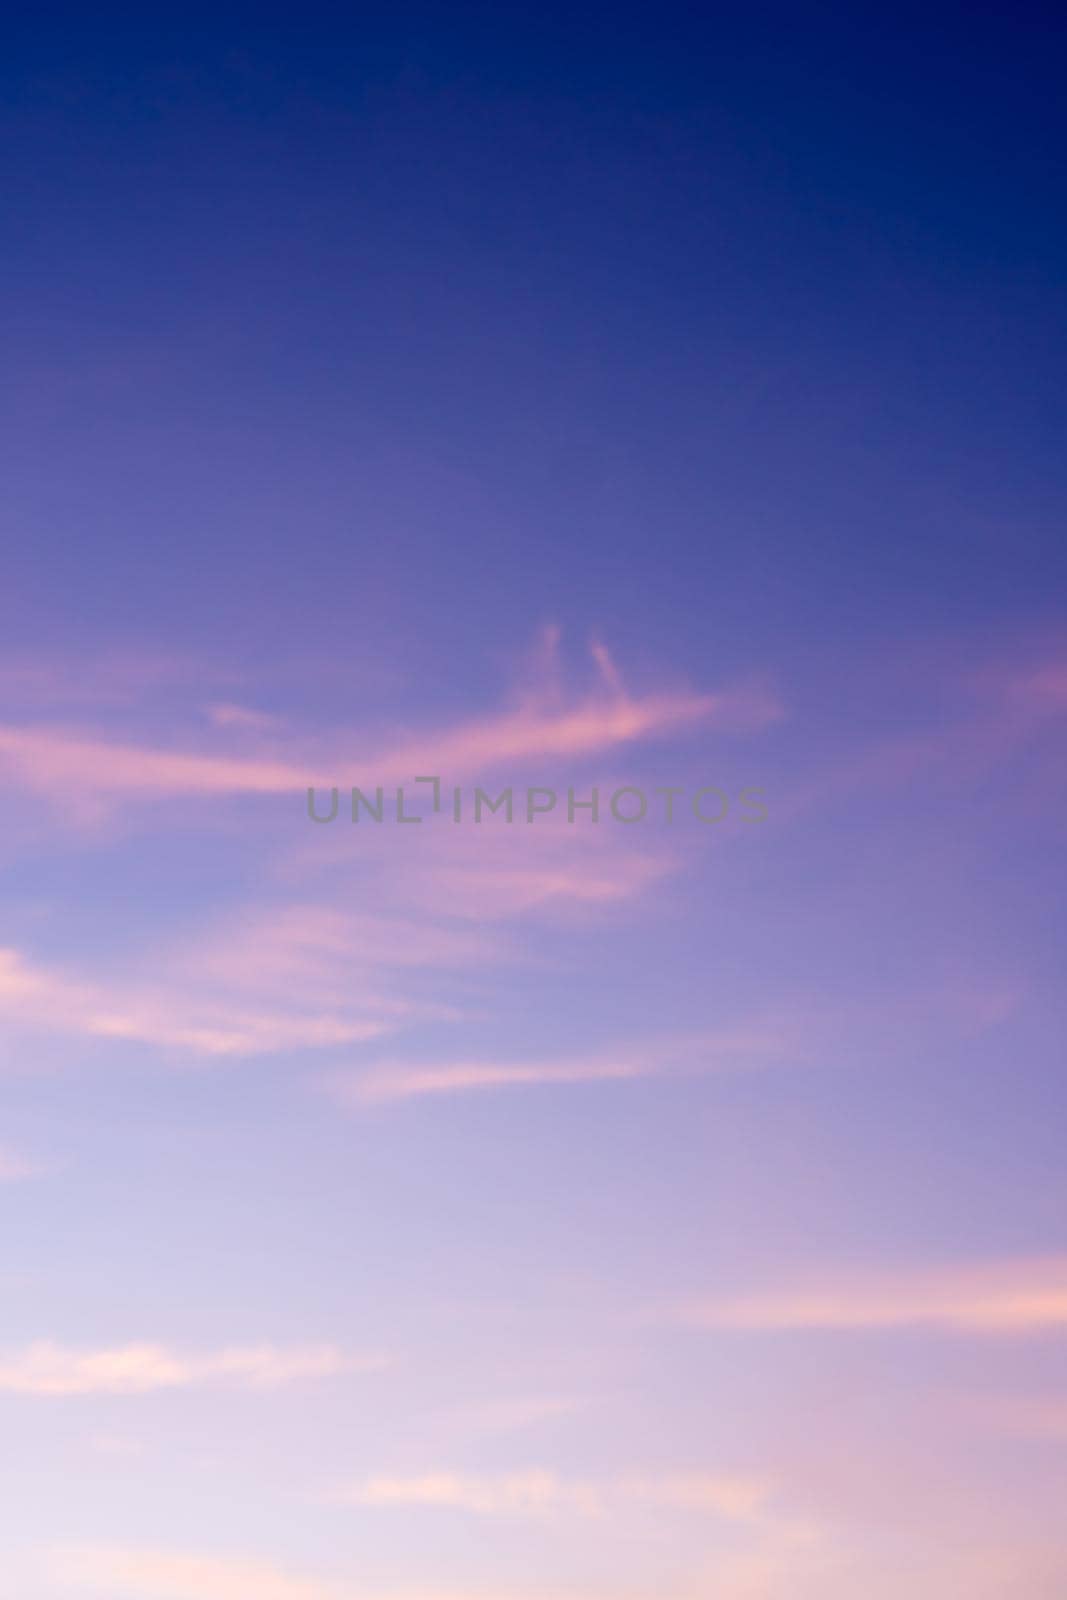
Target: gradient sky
(538,396)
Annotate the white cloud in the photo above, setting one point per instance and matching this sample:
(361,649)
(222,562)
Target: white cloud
(538,1493)
(44,1368)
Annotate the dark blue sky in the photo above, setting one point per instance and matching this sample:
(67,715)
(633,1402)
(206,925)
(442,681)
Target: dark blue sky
(678,319)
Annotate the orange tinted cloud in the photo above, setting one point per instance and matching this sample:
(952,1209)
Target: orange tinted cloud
(133,1369)
(1012,1298)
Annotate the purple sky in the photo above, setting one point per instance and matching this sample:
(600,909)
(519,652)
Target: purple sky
(539,1210)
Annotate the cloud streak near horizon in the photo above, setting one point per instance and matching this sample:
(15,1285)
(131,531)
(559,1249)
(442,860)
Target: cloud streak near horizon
(1002,1299)
(51,1370)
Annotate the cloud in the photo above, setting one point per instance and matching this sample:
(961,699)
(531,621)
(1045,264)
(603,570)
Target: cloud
(73,766)
(517,1413)
(539,1493)
(36,997)
(48,760)
(1039,691)
(491,871)
(135,1369)
(408,1080)
(319,951)
(521,1494)
(398,1080)
(114,679)
(171,1575)
(494,870)
(14,1168)
(1014,1298)
(591,727)
(1023,1416)
(1007,710)
(276,977)
(228,715)
(126,1573)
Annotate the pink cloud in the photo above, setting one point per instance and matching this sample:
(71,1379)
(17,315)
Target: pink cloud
(539,1493)
(1023,1416)
(15,1168)
(1007,709)
(177,1017)
(130,1573)
(544,725)
(1011,1298)
(406,1080)
(46,1369)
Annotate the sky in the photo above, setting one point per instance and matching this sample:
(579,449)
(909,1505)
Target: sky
(661,404)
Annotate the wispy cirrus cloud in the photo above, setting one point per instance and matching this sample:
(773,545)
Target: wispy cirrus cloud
(396,1080)
(319,951)
(274,977)
(72,765)
(227,714)
(539,1493)
(128,1573)
(47,1369)
(516,1413)
(115,679)
(491,871)
(1015,1298)
(995,713)
(174,1575)
(1037,691)
(172,1016)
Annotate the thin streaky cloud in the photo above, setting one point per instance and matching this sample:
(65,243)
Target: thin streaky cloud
(1037,1417)
(490,871)
(46,1369)
(537,1492)
(35,997)
(606,667)
(1015,707)
(274,977)
(1013,1298)
(407,1081)
(314,950)
(516,1414)
(106,681)
(128,1573)
(226,714)
(173,1575)
(47,759)
(410,1080)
